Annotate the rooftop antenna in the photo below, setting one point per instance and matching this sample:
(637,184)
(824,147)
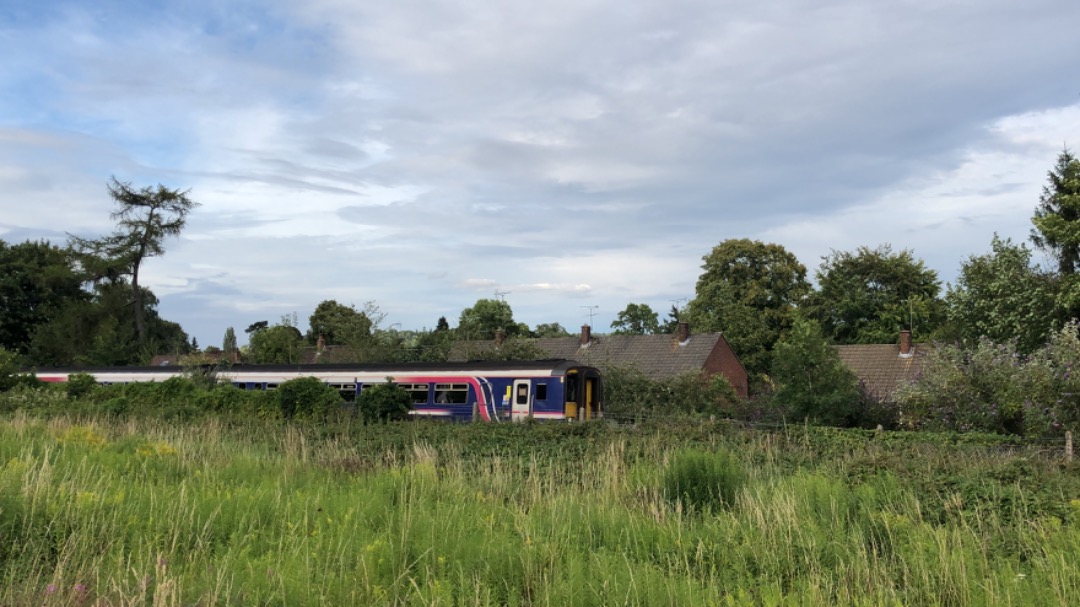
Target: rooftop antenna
(592,312)
(675,303)
(501,295)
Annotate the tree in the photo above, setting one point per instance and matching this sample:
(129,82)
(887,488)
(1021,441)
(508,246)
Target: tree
(99,332)
(749,290)
(550,329)
(338,324)
(279,344)
(384,402)
(228,343)
(811,380)
(1057,217)
(37,282)
(869,296)
(485,318)
(636,319)
(145,218)
(1002,297)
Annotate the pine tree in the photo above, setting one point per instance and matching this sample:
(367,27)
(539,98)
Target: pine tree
(1057,218)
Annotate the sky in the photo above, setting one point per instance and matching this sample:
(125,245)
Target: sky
(570,156)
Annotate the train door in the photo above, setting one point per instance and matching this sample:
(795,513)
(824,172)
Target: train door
(521,408)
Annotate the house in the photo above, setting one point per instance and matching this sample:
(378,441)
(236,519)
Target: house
(882,368)
(656,356)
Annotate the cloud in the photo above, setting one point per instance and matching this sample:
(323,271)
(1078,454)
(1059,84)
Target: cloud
(576,152)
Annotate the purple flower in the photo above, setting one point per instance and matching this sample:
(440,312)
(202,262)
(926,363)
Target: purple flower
(50,589)
(80,588)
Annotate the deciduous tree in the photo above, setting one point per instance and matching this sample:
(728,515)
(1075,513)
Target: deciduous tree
(749,290)
(636,319)
(811,381)
(485,318)
(37,281)
(1002,297)
(868,296)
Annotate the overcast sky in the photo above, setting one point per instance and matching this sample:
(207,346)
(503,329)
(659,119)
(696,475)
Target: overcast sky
(578,155)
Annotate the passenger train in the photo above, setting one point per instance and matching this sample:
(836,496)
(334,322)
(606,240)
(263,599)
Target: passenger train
(487,390)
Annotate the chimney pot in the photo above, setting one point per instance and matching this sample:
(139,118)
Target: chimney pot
(500,336)
(586,335)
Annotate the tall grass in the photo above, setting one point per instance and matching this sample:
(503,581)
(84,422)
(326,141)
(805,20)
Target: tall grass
(96,511)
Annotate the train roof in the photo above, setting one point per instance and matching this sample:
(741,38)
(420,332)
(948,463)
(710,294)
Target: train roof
(554,365)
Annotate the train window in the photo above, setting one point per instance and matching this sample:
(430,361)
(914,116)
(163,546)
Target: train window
(271,387)
(417,392)
(452,394)
(541,391)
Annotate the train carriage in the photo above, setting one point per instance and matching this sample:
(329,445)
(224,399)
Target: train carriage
(488,390)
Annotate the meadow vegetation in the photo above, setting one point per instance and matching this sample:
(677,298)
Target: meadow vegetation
(108,503)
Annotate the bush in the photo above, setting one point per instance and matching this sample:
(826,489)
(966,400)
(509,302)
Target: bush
(384,402)
(703,481)
(80,385)
(308,397)
(812,381)
(630,395)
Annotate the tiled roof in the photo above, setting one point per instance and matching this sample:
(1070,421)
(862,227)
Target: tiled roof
(657,356)
(881,368)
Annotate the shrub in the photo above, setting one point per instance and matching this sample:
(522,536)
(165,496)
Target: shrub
(384,402)
(307,397)
(80,385)
(630,395)
(704,481)
(812,381)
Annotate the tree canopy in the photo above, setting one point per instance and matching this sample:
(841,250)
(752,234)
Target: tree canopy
(1001,296)
(338,324)
(38,281)
(749,290)
(485,318)
(636,319)
(145,218)
(868,296)
(1057,217)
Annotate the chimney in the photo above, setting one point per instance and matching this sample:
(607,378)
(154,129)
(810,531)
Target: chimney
(684,332)
(905,343)
(586,335)
(320,345)
(500,336)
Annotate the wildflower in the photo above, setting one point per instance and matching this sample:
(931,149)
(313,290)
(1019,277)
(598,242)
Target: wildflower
(50,589)
(79,588)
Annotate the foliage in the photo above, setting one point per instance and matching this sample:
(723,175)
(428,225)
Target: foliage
(338,324)
(869,296)
(811,381)
(279,344)
(702,481)
(550,329)
(308,398)
(9,369)
(749,290)
(145,218)
(993,387)
(80,385)
(629,395)
(228,344)
(384,402)
(1057,217)
(485,318)
(1002,297)
(37,282)
(99,332)
(510,349)
(636,319)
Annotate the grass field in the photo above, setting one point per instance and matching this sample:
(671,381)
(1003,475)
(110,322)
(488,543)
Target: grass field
(101,511)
